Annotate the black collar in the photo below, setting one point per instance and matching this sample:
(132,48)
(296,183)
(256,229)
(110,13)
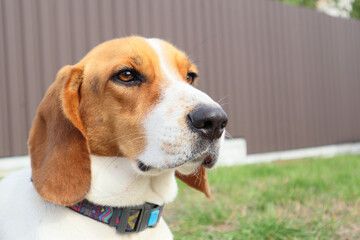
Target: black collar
(125,219)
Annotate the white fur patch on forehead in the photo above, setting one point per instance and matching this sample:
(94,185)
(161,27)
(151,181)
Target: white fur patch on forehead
(178,87)
(159,47)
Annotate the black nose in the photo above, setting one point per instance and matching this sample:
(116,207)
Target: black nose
(208,121)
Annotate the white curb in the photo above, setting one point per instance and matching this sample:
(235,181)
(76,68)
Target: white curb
(233,153)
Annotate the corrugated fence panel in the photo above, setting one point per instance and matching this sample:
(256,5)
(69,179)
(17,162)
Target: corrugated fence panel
(5,134)
(287,76)
(14,76)
(31,63)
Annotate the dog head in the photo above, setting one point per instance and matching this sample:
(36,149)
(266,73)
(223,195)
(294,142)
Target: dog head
(132,98)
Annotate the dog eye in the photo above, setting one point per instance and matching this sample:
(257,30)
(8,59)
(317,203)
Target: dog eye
(126,76)
(190,77)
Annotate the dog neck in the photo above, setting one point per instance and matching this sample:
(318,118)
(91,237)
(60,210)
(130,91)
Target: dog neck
(116,182)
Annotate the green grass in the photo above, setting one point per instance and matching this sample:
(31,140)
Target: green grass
(303,199)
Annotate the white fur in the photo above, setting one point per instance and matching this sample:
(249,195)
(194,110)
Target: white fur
(24,215)
(117,181)
(166,124)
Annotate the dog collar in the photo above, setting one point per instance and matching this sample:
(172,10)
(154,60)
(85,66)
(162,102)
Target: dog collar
(124,219)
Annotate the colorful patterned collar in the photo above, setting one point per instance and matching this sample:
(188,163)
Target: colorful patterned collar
(126,219)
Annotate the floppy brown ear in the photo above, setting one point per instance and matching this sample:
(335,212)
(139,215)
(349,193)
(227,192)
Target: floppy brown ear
(197,180)
(59,150)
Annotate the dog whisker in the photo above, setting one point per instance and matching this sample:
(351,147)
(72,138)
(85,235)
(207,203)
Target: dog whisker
(228,135)
(223,104)
(138,138)
(223,98)
(123,136)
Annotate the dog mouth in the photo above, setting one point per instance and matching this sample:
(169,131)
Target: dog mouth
(208,161)
(142,166)
(202,154)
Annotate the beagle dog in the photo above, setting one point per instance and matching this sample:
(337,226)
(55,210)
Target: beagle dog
(109,137)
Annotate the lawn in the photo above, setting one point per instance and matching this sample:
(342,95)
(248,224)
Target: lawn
(303,199)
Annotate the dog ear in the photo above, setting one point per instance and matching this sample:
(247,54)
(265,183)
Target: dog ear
(197,180)
(59,150)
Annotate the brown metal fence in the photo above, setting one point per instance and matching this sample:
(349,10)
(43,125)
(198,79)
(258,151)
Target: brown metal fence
(288,77)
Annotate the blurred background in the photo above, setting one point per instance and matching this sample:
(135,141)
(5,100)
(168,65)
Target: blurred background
(287,76)
(286,72)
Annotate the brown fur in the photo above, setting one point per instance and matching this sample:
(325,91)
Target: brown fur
(58,144)
(84,112)
(198,180)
